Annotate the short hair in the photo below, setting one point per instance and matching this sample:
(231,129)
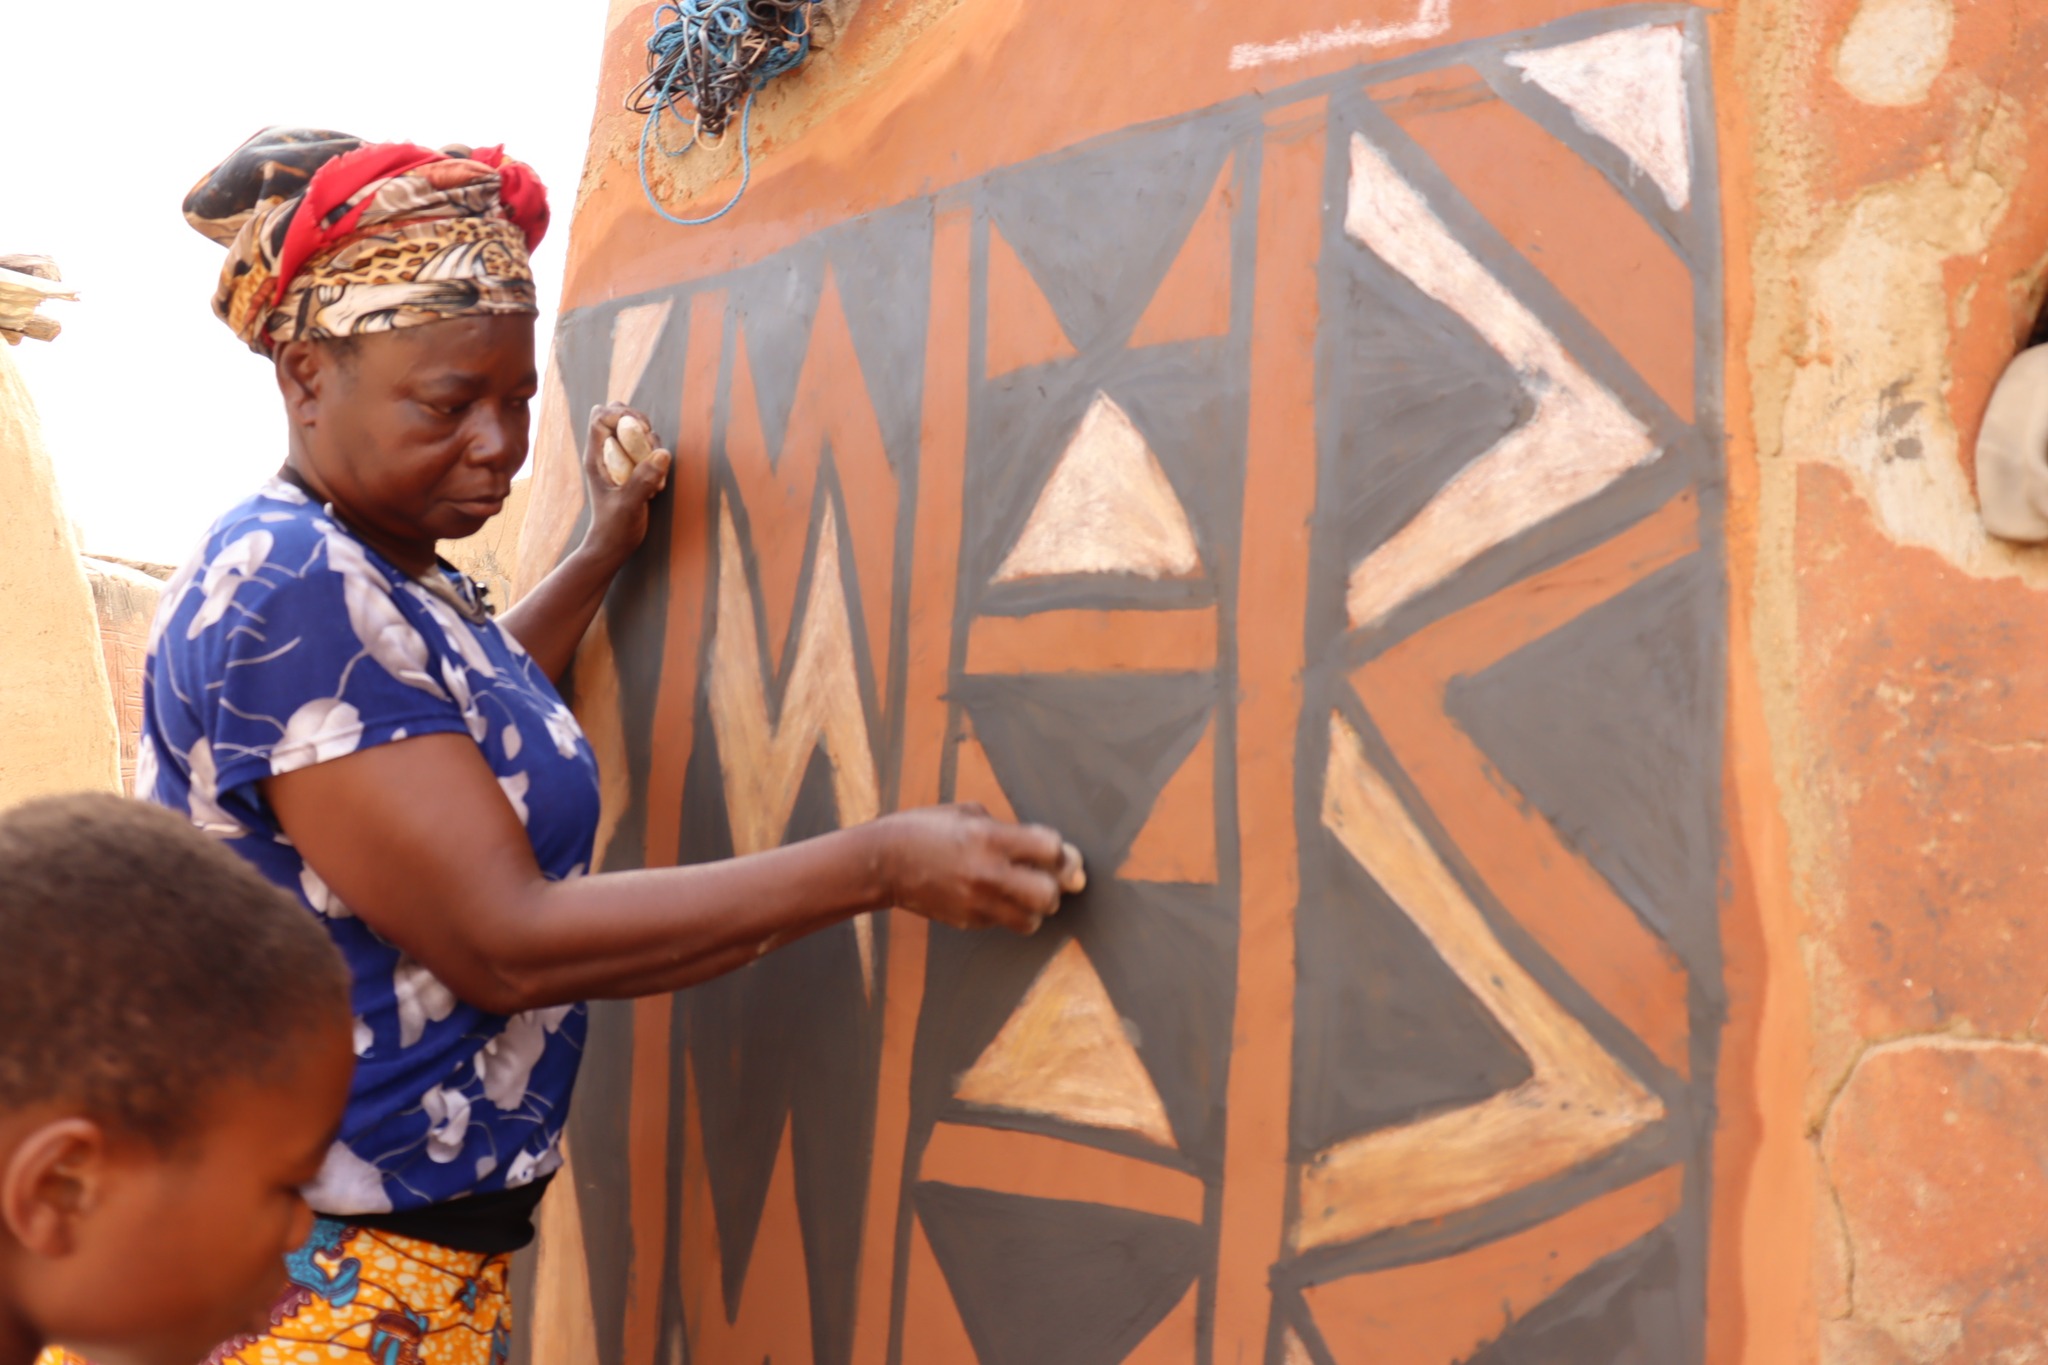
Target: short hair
(142,964)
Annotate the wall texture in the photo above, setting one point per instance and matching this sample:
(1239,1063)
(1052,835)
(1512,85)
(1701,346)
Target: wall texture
(1463,511)
(57,730)
(125,600)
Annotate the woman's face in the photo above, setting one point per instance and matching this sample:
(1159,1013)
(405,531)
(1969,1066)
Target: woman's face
(414,434)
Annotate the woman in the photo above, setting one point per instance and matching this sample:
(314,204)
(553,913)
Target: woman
(332,700)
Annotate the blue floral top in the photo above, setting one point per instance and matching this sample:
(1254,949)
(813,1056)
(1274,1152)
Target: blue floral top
(287,642)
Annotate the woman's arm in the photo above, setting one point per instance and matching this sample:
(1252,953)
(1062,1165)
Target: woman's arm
(417,839)
(550,620)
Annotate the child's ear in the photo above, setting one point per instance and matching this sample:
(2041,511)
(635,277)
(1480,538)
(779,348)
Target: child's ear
(51,1181)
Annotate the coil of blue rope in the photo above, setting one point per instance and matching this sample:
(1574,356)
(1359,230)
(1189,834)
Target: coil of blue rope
(715,54)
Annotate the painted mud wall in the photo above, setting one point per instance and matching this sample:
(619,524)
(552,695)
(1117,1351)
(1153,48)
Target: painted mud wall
(1463,511)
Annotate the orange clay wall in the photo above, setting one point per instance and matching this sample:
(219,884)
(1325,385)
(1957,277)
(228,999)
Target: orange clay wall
(1464,512)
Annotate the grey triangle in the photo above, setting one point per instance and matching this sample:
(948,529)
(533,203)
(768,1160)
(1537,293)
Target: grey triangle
(1609,727)
(1423,396)
(1385,1033)
(1168,957)
(882,264)
(789,1040)
(1099,228)
(776,306)
(1039,1281)
(597,1131)
(1630,1309)
(1088,754)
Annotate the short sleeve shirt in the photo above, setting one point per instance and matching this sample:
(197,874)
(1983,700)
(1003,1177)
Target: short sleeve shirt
(289,642)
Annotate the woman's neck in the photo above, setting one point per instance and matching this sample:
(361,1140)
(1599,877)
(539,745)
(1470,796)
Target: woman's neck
(409,556)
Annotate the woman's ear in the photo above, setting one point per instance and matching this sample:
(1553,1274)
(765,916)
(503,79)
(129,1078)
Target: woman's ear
(303,375)
(51,1180)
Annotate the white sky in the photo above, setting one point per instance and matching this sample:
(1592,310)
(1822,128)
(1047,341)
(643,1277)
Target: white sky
(156,416)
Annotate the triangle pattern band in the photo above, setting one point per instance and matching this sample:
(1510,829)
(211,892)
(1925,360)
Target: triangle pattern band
(1064,1055)
(1108,508)
(1629,88)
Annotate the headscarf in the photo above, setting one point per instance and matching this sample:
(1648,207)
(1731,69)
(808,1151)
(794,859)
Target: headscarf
(329,236)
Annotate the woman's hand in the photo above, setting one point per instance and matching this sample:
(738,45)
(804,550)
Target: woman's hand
(618,513)
(959,866)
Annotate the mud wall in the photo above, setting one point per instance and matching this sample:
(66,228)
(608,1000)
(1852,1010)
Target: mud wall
(1463,512)
(57,727)
(1895,224)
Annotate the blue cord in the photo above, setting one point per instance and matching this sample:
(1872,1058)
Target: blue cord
(701,41)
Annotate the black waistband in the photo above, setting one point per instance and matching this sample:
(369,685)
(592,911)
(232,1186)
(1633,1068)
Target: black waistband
(490,1224)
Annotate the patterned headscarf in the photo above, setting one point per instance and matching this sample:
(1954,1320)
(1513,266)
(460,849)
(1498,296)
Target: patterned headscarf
(329,236)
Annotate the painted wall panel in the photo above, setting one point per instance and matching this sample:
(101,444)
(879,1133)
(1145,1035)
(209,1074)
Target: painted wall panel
(1321,524)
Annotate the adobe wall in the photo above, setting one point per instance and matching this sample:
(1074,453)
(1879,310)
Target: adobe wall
(1465,513)
(57,730)
(1896,232)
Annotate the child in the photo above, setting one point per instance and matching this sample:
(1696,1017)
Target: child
(175,1052)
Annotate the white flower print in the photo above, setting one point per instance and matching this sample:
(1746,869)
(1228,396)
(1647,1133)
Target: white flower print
(507,1061)
(447,1112)
(202,802)
(422,998)
(238,562)
(515,791)
(146,766)
(385,633)
(564,731)
(528,1167)
(347,1184)
(286,492)
(320,896)
(365,1037)
(167,604)
(514,741)
(318,731)
(484,1166)
(457,681)
(459,634)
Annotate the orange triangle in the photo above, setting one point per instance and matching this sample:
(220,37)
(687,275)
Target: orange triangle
(1194,299)
(1178,842)
(1022,328)
(932,1330)
(974,780)
(1172,1342)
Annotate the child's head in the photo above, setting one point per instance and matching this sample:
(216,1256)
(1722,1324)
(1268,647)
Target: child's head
(175,1053)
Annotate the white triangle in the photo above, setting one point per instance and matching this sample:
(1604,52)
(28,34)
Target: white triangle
(1108,508)
(634,334)
(1064,1052)
(1629,87)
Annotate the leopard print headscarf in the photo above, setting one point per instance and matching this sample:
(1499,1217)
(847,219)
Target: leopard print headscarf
(329,236)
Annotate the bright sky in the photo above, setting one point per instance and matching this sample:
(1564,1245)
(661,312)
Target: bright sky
(157,417)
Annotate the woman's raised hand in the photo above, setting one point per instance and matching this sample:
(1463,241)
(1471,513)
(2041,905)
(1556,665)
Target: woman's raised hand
(960,866)
(624,466)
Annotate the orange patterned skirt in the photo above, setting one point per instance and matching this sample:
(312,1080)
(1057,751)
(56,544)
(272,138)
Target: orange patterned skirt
(370,1298)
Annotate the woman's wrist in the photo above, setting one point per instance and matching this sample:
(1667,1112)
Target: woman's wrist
(876,847)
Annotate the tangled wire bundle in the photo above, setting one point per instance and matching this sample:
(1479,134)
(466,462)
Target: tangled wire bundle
(716,55)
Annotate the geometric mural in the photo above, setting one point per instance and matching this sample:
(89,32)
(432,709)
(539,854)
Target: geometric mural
(1311,506)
